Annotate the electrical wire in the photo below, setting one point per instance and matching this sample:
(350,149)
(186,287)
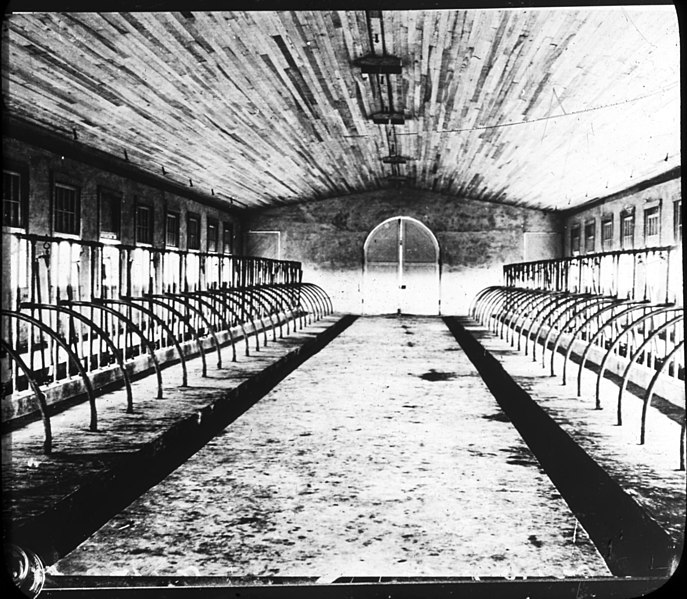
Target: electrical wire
(555,116)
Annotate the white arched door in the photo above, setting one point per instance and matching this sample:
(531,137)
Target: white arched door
(401,269)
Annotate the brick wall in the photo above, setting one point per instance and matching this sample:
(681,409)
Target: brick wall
(476,239)
(43,167)
(662,195)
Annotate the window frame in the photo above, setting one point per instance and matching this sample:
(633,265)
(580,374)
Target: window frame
(627,215)
(191,216)
(607,242)
(212,222)
(114,195)
(177,217)
(590,225)
(138,208)
(227,227)
(677,221)
(76,213)
(575,239)
(21,171)
(652,216)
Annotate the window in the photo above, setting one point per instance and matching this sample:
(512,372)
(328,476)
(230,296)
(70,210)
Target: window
(228,238)
(172,230)
(193,231)
(589,235)
(575,239)
(13,198)
(651,223)
(66,212)
(144,224)
(628,230)
(607,233)
(110,213)
(677,220)
(212,235)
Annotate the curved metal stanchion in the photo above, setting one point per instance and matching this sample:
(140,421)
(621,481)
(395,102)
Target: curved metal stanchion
(656,311)
(182,318)
(165,327)
(261,311)
(515,322)
(183,300)
(327,305)
(40,396)
(276,303)
(316,304)
(478,298)
(633,361)
(237,296)
(567,304)
(150,348)
(227,299)
(287,289)
(294,291)
(547,308)
(280,308)
(567,327)
(485,302)
(304,296)
(650,389)
(93,425)
(103,335)
(509,306)
(596,315)
(208,301)
(494,303)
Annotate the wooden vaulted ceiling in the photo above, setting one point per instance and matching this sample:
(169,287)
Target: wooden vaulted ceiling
(542,108)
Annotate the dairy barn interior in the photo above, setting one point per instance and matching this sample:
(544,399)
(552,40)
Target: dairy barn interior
(363,301)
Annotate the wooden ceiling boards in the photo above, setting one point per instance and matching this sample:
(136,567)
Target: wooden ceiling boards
(547,108)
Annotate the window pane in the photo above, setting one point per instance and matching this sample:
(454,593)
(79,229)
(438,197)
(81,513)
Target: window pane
(11,199)
(651,222)
(212,236)
(110,209)
(228,238)
(607,232)
(66,209)
(384,243)
(575,239)
(144,224)
(172,230)
(193,232)
(628,224)
(589,236)
(677,220)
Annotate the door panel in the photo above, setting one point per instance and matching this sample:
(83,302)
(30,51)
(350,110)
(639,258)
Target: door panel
(419,270)
(381,285)
(401,272)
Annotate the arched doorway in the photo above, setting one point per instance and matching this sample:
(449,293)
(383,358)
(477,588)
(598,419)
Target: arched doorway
(401,272)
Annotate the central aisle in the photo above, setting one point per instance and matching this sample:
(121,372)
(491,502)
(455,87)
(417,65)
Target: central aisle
(383,455)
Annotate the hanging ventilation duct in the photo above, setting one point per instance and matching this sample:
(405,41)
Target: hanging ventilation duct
(396,159)
(388,118)
(379,65)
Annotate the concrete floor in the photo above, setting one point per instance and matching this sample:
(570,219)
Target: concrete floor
(649,472)
(383,455)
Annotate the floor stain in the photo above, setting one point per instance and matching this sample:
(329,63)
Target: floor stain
(499,417)
(435,375)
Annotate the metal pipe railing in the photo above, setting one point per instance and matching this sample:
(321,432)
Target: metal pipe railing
(615,302)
